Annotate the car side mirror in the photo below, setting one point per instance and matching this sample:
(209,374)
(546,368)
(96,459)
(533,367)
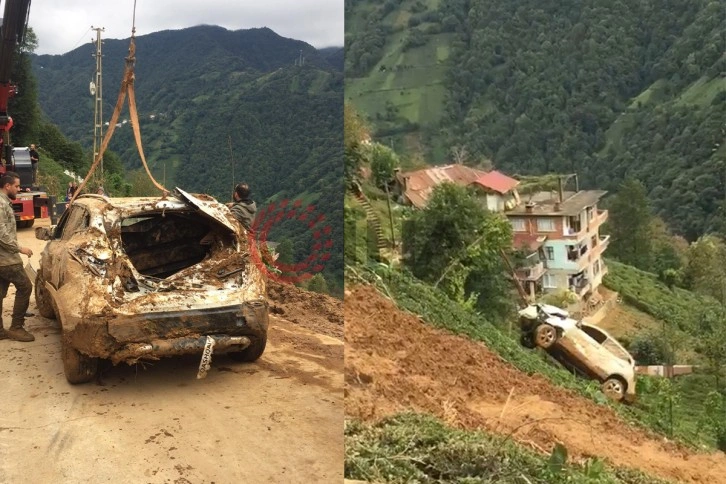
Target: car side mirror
(43,233)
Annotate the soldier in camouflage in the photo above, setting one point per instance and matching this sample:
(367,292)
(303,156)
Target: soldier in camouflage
(11,265)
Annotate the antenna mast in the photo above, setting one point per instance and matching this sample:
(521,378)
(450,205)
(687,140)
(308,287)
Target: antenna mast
(96,89)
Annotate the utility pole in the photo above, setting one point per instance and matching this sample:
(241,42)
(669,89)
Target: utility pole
(96,89)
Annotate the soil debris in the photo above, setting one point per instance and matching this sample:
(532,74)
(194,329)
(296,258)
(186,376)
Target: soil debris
(317,312)
(395,363)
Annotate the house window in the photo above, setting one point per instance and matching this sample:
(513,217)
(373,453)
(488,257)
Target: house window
(545,225)
(518,224)
(548,281)
(550,253)
(597,267)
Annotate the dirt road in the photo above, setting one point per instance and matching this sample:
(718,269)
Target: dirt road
(394,362)
(277,420)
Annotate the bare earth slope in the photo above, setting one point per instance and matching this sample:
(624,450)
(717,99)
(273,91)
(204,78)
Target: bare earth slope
(394,362)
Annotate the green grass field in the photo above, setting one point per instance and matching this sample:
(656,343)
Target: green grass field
(406,85)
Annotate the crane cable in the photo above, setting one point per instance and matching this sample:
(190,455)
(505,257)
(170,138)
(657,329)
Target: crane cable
(127,87)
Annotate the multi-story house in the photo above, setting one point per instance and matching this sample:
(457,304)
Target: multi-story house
(567,228)
(558,231)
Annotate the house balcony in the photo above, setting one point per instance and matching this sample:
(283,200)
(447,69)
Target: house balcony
(597,251)
(603,243)
(531,273)
(597,220)
(580,286)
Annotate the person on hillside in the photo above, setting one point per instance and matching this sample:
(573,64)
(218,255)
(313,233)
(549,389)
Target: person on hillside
(34,158)
(243,208)
(11,265)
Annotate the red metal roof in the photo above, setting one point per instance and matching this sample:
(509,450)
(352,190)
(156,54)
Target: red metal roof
(497,181)
(420,183)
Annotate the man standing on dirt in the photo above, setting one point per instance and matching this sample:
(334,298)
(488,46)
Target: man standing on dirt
(243,208)
(11,265)
(34,158)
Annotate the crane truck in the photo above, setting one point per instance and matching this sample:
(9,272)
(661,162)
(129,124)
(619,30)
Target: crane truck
(32,201)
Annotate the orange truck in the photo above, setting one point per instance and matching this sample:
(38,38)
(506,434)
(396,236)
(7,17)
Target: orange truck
(32,201)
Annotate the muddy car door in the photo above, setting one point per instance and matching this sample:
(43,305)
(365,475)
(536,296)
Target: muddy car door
(72,248)
(55,258)
(594,355)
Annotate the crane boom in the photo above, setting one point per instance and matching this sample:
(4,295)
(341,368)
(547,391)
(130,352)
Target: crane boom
(14,26)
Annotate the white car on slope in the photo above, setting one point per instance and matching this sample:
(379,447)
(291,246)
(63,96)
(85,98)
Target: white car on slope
(580,347)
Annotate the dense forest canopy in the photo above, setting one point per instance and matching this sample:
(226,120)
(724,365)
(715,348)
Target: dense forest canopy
(607,89)
(216,105)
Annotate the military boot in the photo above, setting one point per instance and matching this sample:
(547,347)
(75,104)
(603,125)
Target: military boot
(19,334)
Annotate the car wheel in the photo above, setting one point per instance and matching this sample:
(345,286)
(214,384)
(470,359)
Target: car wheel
(78,367)
(42,299)
(25,224)
(252,352)
(614,388)
(545,335)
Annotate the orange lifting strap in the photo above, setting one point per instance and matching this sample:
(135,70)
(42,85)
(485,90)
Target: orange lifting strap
(127,86)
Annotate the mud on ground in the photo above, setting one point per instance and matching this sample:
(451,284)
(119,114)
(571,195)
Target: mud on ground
(394,363)
(317,312)
(275,420)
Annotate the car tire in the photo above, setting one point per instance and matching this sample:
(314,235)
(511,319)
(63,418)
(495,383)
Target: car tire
(78,367)
(252,352)
(25,224)
(545,336)
(614,388)
(42,299)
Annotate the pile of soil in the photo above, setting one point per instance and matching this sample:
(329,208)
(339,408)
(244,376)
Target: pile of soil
(394,362)
(317,312)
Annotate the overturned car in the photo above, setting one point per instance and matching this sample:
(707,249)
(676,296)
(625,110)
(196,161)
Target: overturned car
(134,279)
(580,347)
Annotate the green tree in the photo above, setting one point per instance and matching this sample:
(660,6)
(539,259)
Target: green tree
(317,283)
(703,272)
(355,132)
(630,226)
(455,243)
(285,251)
(23,107)
(383,161)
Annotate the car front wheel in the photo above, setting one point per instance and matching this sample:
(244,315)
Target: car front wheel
(614,388)
(78,367)
(545,335)
(253,351)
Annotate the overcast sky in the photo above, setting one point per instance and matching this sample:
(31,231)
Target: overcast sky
(63,25)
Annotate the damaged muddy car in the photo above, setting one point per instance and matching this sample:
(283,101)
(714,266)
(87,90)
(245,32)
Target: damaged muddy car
(580,347)
(134,279)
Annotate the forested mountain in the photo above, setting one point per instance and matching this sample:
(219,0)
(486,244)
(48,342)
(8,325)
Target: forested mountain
(606,89)
(214,103)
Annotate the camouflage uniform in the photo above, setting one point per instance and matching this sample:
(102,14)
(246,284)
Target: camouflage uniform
(11,265)
(244,211)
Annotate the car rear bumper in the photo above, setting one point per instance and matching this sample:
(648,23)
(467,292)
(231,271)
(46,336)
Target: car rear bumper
(150,335)
(179,346)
